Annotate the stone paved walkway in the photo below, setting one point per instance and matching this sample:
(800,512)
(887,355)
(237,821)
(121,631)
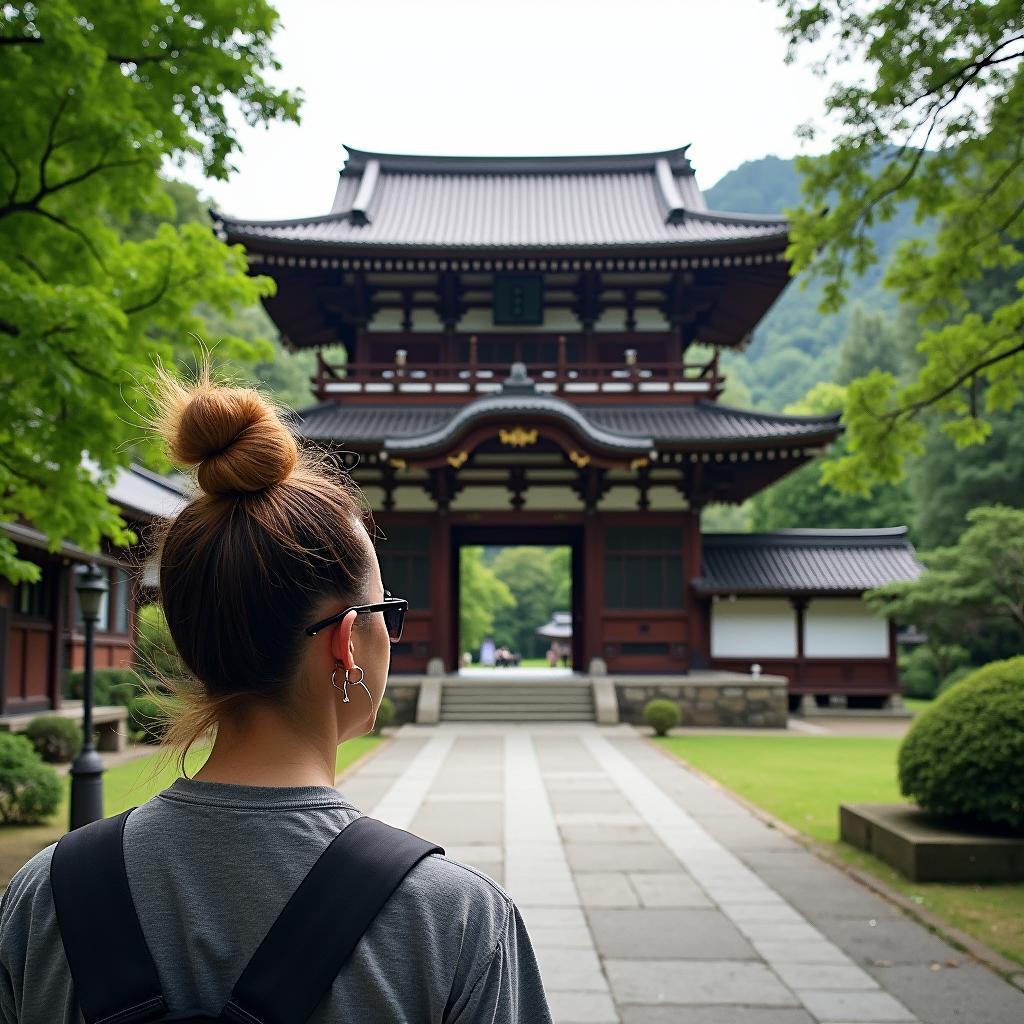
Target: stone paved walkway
(651,897)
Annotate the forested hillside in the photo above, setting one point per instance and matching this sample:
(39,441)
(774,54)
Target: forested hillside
(795,346)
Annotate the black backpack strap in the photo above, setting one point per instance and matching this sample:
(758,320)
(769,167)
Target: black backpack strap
(321,924)
(114,975)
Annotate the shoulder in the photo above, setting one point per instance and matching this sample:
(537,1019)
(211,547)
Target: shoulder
(29,884)
(457,897)
(27,914)
(443,879)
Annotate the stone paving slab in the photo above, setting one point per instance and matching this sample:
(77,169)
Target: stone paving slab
(712,1015)
(683,934)
(651,896)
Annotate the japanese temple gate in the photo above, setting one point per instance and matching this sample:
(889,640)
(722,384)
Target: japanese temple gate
(531,355)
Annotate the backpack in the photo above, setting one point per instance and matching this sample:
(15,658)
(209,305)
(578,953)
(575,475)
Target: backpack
(114,975)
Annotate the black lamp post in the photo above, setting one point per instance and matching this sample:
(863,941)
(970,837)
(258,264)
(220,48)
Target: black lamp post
(87,768)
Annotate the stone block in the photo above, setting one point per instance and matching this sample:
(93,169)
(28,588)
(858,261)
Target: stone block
(696,983)
(677,933)
(713,1015)
(926,848)
(860,1006)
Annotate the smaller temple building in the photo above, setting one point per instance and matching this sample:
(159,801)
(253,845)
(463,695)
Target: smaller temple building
(41,634)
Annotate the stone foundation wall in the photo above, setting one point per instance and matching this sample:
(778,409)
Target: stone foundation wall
(404,696)
(722,700)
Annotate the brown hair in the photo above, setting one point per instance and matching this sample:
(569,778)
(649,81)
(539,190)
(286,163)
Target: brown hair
(271,534)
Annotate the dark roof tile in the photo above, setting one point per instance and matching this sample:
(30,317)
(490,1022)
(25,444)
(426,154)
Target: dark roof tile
(806,561)
(697,423)
(515,202)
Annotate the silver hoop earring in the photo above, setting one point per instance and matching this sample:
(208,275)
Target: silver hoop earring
(349,680)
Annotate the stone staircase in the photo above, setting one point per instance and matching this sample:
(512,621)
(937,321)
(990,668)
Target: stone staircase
(517,701)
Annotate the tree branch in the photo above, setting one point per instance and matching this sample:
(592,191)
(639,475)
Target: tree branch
(12,195)
(51,133)
(32,205)
(78,232)
(164,288)
(910,411)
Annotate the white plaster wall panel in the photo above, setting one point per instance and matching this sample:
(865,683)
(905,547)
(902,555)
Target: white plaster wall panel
(374,496)
(666,499)
(426,320)
(844,628)
(619,499)
(412,499)
(482,499)
(552,499)
(651,320)
(386,320)
(753,627)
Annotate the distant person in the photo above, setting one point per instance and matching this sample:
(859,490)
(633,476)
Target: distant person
(467,659)
(552,655)
(487,652)
(271,588)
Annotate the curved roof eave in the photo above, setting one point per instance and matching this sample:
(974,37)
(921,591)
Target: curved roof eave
(543,406)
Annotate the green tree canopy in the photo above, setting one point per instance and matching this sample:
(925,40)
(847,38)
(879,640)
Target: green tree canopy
(934,121)
(539,578)
(802,500)
(94,98)
(945,484)
(974,586)
(481,597)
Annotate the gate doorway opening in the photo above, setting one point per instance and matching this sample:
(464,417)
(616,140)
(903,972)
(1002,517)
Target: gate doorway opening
(518,601)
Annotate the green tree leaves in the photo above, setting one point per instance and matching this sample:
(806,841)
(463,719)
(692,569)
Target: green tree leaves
(972,586)
(482,596)
(937,121)
(94,98)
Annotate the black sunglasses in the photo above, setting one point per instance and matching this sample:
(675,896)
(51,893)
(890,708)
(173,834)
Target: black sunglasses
(394,609)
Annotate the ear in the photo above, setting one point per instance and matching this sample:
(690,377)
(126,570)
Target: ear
(341,640)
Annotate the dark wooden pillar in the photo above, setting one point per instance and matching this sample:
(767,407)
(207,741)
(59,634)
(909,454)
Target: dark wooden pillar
(698,644)
(443,586)
(593,599)
(800,609)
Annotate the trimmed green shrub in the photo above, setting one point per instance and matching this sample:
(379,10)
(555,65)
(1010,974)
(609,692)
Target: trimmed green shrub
(147,720)
(964,755)
(56,739)
(955,676)
(29,789)
(110,685)
(385,715)
(662,715)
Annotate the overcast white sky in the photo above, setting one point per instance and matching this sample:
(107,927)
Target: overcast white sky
(520,77)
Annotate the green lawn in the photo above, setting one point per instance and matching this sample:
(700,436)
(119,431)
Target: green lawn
(803,779)
(916,705)
(128,785)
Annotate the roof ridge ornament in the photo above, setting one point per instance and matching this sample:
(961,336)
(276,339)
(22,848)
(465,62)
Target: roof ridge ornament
(364,195)
(675,209)
(517,382)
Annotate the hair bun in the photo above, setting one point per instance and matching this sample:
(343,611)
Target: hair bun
(235,437)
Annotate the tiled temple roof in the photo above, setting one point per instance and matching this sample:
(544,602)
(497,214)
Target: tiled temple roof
(806,561)
(389,201)
(641,426)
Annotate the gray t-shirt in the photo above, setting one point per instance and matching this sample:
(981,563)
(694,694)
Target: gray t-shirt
(210,867)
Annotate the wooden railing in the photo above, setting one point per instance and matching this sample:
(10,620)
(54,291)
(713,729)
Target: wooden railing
(640,378)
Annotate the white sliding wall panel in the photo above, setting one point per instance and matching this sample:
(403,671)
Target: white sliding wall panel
(753,627)
(844,628)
